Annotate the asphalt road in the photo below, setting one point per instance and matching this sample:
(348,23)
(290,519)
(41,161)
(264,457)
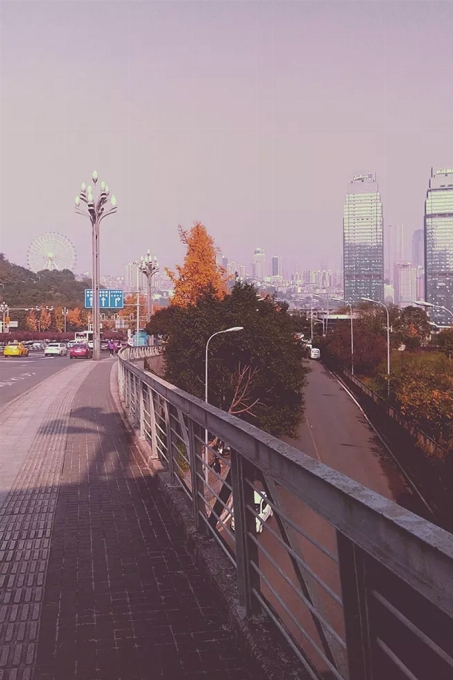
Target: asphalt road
(335,432)
(19,374)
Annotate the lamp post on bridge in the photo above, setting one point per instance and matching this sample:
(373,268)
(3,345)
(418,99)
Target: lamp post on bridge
(95,209)
(206,448)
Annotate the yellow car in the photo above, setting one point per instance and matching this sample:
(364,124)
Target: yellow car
(16,349)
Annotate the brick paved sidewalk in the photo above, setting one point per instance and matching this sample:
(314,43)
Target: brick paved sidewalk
(121,597)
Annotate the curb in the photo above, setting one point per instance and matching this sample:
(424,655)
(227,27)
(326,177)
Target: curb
(257,637)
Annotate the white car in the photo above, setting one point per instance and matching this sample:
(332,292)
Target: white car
(315,353)
(55,349)
(262,509)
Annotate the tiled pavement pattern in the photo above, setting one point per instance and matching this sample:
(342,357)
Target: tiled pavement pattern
(123,599)
(26,518)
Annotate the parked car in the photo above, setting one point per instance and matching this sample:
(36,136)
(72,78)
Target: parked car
(80,351)
(15,349)
(55,349)
(262,509)
(315,353)
(104,345)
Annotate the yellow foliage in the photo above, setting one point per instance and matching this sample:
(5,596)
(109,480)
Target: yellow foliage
(200,271)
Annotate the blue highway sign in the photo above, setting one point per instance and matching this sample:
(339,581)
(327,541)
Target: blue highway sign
(108,298)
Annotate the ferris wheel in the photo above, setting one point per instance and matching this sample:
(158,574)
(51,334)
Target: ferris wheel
(51,251)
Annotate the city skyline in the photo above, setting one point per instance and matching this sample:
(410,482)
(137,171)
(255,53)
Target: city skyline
(257,142)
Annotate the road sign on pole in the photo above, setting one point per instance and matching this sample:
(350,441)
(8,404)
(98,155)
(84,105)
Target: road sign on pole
(109,298)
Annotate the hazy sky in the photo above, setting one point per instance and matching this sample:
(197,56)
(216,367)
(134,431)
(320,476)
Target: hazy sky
(249,116)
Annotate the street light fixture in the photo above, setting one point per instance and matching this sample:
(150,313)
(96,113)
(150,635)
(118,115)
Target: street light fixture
(149,266)
(4,313)
(95,208)
(422,303)
(324,297)
(377,302)
(349,304)
(206,450)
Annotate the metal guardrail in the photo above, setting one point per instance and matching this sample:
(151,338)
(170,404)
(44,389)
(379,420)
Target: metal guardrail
(140,352)
(361,588)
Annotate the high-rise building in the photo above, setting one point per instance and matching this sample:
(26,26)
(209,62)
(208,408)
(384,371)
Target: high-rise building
(439,244)
(130,278)
(259,259)
(277,266)
(224,262)
(405,278)
(418,257)
(363,240)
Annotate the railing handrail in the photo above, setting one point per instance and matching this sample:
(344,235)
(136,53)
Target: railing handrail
(417,551)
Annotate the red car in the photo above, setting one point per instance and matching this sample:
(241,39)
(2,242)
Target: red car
(81,351)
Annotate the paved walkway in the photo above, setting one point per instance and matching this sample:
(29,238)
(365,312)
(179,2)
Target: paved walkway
(95,581)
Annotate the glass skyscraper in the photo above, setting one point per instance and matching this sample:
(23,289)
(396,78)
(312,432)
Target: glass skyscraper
(439,245)
(363,240)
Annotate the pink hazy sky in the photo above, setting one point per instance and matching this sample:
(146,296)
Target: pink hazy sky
(249,116)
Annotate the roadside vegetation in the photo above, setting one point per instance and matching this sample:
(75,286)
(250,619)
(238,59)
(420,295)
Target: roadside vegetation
(258,373)
(421,384)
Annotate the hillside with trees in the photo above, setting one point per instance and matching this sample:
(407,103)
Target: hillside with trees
(21,287)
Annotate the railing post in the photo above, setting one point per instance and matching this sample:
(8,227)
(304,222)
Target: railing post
(244,526)
(355,610)
(196,466)
(171,466)
(152,418)
(141,424)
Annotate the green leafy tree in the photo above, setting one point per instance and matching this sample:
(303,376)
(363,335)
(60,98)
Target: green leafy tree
(257,373)
(444,340)
(412,327)
(370,346)
(422,388)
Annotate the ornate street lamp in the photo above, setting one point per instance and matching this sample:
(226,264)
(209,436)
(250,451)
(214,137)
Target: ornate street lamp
(95,207)
(149,266)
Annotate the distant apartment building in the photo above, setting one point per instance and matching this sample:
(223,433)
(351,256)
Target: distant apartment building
(418,248)
(258,264)
(224,262)
(236,269)
(277,266)
(363,240)
(439,245)
(130,278)
(405,278)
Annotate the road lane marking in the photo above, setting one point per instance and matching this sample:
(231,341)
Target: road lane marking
(313,439)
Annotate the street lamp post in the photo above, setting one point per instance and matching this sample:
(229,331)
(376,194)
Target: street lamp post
(4,313)
(206,450)
(422,303)
(149,266)
(95,210)
(377,302)
(349,304)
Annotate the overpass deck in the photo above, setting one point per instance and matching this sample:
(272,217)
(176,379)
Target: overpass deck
(95,580)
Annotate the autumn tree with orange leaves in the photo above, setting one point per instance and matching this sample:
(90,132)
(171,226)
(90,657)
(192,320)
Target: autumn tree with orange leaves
(200,271)
(32,321)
